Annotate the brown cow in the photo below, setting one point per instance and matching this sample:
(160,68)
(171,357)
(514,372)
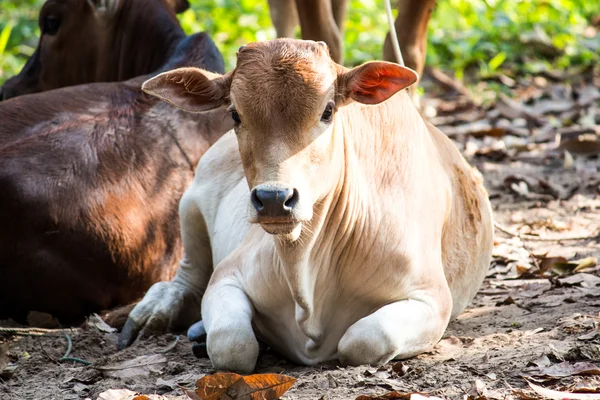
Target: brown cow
(324,20)
(86,41)
(91,178)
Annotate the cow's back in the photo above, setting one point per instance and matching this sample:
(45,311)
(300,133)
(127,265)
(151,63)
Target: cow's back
(90,192)
(468,226)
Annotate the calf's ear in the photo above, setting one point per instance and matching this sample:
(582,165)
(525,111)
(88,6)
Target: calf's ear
(191,89)
(374,82)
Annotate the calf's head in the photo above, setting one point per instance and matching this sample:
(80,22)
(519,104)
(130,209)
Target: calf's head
(284,96)
(84,41)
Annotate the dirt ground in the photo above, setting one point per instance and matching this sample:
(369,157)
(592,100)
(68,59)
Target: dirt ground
(536,314)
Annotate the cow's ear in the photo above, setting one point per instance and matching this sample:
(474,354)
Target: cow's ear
(374,82)
(179,6)
(191,89)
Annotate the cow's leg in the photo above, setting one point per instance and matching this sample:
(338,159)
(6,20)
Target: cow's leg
(176,304)
(411,28)
(317,23)
(284,17)
(227,314)
(339,8)
(398,330)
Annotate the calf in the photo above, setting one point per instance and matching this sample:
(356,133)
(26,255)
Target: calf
(324,20)
(338,222)
(91,178)
(85,41)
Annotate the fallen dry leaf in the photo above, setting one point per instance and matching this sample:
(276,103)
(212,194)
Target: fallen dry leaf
(126,394)
(142,365)
(116,394)
(42,320)
(568,369)
(6,368)
(3,356)
(555,394)
(230,386)
(398,396)
(97,322)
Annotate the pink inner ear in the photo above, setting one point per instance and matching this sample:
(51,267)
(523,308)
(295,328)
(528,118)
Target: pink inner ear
(376,82)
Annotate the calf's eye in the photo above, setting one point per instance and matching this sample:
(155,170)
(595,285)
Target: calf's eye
(328,113)
(236,117)
(50,25)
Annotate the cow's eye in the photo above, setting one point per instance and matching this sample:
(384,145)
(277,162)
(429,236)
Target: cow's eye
(236,117)
(51,25)
(328,113)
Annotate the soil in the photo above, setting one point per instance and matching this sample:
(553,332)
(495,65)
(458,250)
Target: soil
(531,312)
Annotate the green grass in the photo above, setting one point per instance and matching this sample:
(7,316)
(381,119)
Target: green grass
(487,37)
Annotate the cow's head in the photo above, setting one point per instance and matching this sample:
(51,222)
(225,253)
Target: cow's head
(284,97)
(86,41)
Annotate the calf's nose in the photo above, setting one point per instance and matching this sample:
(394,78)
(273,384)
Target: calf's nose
(274,202)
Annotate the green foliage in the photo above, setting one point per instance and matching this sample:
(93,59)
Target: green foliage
(532,35)
(491,36)
(18,34)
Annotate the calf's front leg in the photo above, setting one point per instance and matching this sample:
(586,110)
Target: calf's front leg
(227,314)
(176,304)
(398,330)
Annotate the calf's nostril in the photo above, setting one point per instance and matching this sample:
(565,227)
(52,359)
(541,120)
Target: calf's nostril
(256,202)
(292,200)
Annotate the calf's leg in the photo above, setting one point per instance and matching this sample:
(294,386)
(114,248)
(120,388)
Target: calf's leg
(176,304)
(411,28)
(284,17)
(398,330)
(339,8)
(317,22)
(227,314)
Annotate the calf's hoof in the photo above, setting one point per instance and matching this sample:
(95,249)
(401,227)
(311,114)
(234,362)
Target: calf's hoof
(233,349)
(363,344)
(165,306)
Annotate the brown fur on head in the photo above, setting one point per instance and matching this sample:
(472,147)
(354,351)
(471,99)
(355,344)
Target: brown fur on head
(83,41)
(284,96)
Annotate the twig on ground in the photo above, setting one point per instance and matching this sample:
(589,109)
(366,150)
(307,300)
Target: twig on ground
(54,360)
(524,236)
(449,83)
(169,347)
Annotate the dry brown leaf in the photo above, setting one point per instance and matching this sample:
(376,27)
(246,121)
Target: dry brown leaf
(262,386)
(555,394)
(3,356)
(126,394)
(230,386)
(97,322)
(388,396)
(398,396)
(568,369)
(116,394)
(42,320)
(142,365)
(585,263)
(212,387)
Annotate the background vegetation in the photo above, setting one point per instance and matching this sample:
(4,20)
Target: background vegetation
(482,36)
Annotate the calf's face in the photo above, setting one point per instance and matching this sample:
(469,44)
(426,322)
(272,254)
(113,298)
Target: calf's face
(284,96)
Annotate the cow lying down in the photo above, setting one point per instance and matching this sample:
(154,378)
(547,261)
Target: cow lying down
(332,223)
(91,178)
(98,41)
